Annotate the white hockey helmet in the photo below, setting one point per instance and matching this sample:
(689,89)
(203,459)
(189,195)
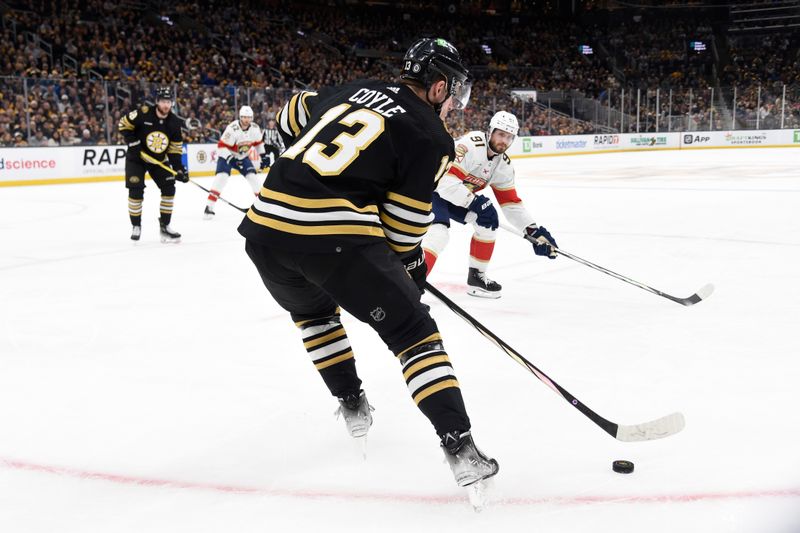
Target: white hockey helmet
(245,111)
(505,121)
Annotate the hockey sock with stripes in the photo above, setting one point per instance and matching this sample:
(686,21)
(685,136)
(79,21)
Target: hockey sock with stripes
(433,386)
(327,344)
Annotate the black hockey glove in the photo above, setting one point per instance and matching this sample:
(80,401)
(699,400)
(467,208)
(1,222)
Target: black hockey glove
(265,161)
(485,211)
(182,176)
(543,242)
(135,149)
(416,267)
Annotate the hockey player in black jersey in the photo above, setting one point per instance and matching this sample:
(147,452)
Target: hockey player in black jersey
(155,143)
(340,220)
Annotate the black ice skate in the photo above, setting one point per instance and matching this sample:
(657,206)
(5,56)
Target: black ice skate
(208,213)
(136,233)
(168,234)
(481,286)
(357,414)
(468,463)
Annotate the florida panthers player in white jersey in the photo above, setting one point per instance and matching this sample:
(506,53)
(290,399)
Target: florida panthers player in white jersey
(233,152)
(480,163)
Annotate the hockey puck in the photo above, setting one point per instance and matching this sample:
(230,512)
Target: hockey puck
(622,467)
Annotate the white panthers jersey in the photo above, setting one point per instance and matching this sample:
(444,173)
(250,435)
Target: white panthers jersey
(238,142)
(472,171)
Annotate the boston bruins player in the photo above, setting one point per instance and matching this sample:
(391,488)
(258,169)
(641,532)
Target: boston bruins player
(155,142)
(339,222)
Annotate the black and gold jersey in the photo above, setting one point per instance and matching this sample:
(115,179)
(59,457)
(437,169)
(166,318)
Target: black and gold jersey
(158,137)
(361,165)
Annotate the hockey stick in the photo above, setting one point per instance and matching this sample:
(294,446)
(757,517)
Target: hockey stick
(149,159)
(703,293)
(243,210)
(655,429)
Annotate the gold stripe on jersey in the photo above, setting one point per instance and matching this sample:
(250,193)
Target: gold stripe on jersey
(332,229)
(278,116)
(397,244)
(175,147)
(293,115)
(415,218)
(125,124)
(399,248)
(410,202)
(396,225)
(303,102)
(404,227)
(316,203)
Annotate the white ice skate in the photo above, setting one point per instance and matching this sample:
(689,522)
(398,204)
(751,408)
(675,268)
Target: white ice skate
(208,213)
(136,233)
(169,235)
(471,468)
(357,414)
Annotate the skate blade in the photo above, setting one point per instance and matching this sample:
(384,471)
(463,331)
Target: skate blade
(480,293)
(479,494)
(167,240)
(208,217)
(360,446)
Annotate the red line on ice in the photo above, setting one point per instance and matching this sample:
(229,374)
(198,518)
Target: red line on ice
(374,496)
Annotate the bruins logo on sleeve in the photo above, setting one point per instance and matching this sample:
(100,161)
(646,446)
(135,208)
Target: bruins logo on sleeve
(157,142)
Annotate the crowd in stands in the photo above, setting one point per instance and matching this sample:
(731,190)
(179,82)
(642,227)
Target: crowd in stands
(764,77)
(70,68)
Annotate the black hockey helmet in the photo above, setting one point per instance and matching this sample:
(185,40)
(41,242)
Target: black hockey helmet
(429,57)
(164,93)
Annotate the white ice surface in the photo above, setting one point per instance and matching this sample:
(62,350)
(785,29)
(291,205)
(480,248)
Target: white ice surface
(148,387)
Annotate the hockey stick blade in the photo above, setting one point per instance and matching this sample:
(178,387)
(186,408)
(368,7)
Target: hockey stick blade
(704,292)
(653,430)
(699,296)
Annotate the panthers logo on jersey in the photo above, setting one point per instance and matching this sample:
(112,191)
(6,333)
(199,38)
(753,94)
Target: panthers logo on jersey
(474,183)
(157,142)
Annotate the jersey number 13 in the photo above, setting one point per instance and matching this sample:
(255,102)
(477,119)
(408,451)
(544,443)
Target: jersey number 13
(349,146)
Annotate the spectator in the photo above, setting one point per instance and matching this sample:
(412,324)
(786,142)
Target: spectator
(38,139)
